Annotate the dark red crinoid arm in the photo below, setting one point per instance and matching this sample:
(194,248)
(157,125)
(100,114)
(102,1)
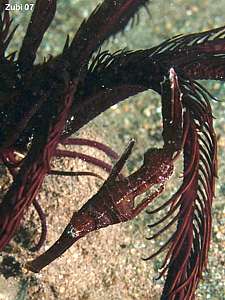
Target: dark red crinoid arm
(106,20)
(5,23)
(34,168)
(110,78)
(41,18)
(188,246)
(197,55)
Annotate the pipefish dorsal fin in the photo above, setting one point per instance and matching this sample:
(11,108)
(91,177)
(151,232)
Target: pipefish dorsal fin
(121,161)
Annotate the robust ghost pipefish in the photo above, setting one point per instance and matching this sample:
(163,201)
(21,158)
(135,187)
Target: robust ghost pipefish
(115,201)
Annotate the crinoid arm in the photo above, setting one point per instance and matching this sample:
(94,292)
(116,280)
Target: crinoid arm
(5,34)
(106,20)
(36,165)
(194,56)
(187,248)
(42,16)
(197,55)
(91,143)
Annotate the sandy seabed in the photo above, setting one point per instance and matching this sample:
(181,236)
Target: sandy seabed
(103,265)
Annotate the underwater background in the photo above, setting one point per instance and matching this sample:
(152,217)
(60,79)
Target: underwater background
(138,117)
